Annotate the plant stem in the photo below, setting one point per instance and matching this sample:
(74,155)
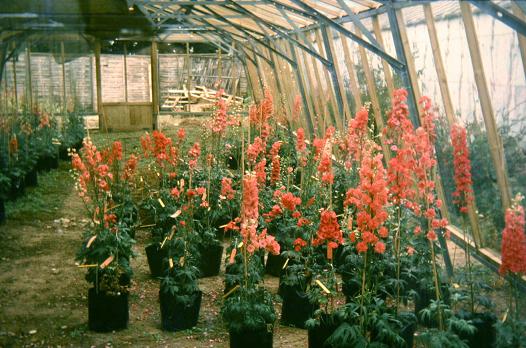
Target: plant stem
(397,255)
(437,285)
(364,271)
(469,265)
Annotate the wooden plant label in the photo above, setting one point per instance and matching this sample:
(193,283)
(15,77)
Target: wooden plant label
(323,287)
(161,202)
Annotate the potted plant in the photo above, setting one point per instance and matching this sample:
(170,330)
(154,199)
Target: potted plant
(107,246)
(179,294)
(248,310)
(511,331)
(159,181)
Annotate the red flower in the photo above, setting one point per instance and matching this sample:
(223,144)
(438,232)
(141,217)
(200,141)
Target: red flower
(175,192)
(383,232)
(250,203)
(361,247)
(181,134)
(299,244)
(300,140)
(276,170)
(379,247)
(226,189)
(274,150)
(289,201)
(370,197)
(193,154)
(261,175)
(254,149)
(357,133)
(513,248)
(431,235)
(463,194)
(329,229)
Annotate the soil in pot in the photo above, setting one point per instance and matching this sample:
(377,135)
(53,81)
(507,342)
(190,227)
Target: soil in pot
(155,256)
(210,260)
(107,312)
(274,264)
(485,333)
(296,309)
(251,338)
(320,334)
(176,315)
(31,178)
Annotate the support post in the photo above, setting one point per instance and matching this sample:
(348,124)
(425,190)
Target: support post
(353,80)
(448,108)
(63,63)
(100,109)
(347,115)
(495,143)
(330,90)
(154,65)
(340,117)
(14,81)
(29,83)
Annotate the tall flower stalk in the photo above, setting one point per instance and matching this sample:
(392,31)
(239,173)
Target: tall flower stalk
(463,195)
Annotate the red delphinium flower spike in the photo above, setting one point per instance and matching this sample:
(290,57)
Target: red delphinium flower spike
(357,133)
(428,118)
(329,230)
(398,121)
(250,202)
(513,250)
(254,149)
(296,110)
(219,118)
(227,192)
(261,174)
(463,194)
(300,140)
(289,201)
(193,154)
(370,199)
(276,170)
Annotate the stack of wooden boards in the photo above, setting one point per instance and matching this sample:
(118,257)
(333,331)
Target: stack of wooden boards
(198,99)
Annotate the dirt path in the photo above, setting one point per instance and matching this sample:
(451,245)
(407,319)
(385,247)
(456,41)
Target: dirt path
(44,295)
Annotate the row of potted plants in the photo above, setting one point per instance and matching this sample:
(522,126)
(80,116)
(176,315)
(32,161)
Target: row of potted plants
(32,142)
(339,215)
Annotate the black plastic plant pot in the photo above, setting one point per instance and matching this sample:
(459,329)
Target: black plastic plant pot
(350,288)
(274,264)
(296,309)
(423,299)
(17,189)
(175,315)
(232,163)
(251,338)
(2,211)
(63,153)
(155,256)
(210,261)
(107,312)
(319,334)
(408,330)
(31,178)
(485,333)
(53,162)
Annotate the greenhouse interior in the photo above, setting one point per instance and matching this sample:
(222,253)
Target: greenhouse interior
(262,173)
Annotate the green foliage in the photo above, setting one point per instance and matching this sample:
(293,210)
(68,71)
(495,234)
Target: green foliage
(112,242)
(511,333)
(249,309)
